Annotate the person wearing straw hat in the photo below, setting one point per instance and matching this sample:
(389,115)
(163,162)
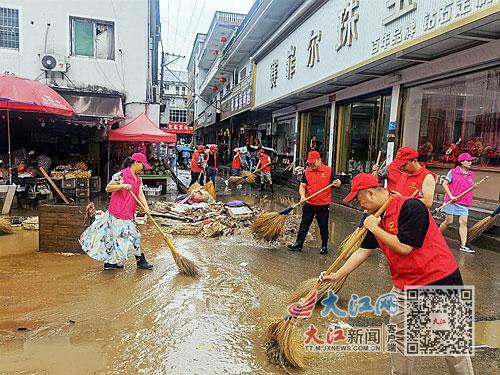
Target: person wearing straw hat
(197,161)
(415,249)
(265,172)
(458,180)
(316,177)
(113,237)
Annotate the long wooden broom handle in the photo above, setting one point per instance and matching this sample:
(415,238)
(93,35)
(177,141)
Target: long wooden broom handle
(462,194)
(257,170)
(165,236)
(47,177)
(313,195)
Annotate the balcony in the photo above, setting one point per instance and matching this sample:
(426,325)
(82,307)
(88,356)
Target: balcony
(238,99)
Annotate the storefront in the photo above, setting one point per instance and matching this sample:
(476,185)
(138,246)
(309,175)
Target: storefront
(367,77)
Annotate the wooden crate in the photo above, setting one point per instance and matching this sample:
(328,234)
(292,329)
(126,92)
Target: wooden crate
(61,227)
(82,183)
(82,192)
(69,183)
(69,192)
(95,184)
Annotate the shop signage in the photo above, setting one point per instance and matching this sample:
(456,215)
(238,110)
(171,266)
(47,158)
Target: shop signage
(178,128)
(344,33)
(239,99)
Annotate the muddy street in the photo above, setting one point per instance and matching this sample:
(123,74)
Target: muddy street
(61,314)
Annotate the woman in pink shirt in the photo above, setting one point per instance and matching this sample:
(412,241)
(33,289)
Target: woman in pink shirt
(457,181)
(113,237)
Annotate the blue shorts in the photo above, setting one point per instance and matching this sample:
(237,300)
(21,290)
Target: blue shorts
(456,209)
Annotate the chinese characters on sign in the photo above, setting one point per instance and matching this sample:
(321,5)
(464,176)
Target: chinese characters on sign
(389,40)
(313,48)
(348,24)
(290,66)
(398,9)
(178,127)
(274,73)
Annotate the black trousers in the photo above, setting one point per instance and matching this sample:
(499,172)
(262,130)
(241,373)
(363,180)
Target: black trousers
(194,177)
(322,213)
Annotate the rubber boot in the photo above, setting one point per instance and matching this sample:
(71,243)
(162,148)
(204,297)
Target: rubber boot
(261,187)
(143,263)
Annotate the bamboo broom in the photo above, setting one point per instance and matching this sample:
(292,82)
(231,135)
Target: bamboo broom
(250,178)
(184,265)
(437,210)
(354,240)
(281,347)
(483,225)
(269,226)
(5,227)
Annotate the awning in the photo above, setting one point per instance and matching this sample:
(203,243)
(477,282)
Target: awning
(96,106)
(141,129)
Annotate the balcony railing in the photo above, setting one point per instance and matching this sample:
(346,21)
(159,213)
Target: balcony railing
(211,73)
(238,98)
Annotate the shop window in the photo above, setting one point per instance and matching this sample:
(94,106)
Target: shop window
(314,133)
(177,90)
(243,74)
(9,28)
(92,38)
(183,90)
(465,109)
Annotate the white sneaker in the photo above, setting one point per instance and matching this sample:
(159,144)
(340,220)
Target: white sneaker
(467,249)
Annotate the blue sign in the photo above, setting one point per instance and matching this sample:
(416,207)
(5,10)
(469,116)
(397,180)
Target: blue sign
(392,125)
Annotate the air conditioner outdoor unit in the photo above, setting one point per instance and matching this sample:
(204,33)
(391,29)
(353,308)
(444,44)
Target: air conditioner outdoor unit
(54,63)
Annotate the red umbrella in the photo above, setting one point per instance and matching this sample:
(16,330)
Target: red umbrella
(21,94)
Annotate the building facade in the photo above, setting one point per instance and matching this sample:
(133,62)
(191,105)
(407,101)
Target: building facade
(386,74)
(102,56)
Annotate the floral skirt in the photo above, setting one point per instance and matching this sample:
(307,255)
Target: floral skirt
(111,240)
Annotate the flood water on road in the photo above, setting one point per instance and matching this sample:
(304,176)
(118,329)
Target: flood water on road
(61,314)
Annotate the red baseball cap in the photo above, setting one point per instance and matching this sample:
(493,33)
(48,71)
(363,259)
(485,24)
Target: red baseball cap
(201,148)
(213,147)
(312,156)
(404,154)
(261,151)
(360,182)
(141,158)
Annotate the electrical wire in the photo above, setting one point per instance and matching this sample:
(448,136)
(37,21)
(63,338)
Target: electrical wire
(177,24)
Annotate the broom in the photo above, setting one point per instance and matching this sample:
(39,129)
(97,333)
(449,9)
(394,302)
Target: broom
(209,186)
(281,347)
(250,178)
(184,265)
(269,226)
(438,210)
(483,225)
(354,240)
(5,227)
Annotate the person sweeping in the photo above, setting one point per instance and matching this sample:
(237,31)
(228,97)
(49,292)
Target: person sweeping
(113,237)
(236,163)
(406,174)
(316,177)
(265,170)
(458,180)
(415,249)
(197,161)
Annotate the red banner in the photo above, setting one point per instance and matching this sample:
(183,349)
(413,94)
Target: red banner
(178,128)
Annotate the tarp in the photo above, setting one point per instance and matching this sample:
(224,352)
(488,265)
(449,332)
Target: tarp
(141,129)
(95,106)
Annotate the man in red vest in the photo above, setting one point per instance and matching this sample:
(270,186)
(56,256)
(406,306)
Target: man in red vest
(265,172)
(415,249)
(406,174)
(197,163)
(316,177)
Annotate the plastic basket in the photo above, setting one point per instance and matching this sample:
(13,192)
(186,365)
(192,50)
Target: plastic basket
(152,191)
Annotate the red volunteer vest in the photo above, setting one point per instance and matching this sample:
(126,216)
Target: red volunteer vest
(422,265)
(264,159)
(317,180)
(393,176)
(236,163)
(194,166)
(408,183)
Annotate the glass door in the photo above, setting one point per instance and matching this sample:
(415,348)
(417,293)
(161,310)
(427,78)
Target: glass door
(315,132)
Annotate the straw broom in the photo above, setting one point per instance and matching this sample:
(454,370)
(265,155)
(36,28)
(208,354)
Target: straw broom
(270,226)
(184,265)
(5,227)
(209,186)
(483,225)
(250,178)
(438,210)
(354,240)
(281,347)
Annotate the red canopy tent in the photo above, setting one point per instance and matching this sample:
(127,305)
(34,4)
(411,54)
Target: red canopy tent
(141,129)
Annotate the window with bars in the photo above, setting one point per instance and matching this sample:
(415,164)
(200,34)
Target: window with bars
(92,38)
(178,115)
(9,28)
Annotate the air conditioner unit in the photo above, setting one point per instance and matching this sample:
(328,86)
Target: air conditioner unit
(54,63)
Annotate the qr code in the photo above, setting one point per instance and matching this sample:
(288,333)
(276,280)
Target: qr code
(439,320)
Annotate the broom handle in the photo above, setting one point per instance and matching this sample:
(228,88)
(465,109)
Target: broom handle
(312,195)
(167,239)
(257,170)
(47,177)
(461,194)
(496,212)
